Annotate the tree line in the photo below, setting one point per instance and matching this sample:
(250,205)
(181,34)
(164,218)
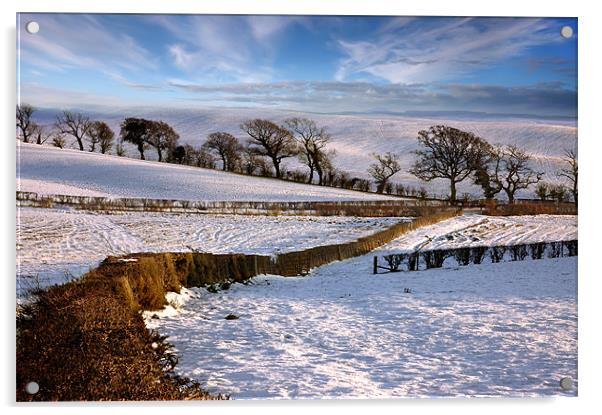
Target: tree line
(455,155)
(444,153)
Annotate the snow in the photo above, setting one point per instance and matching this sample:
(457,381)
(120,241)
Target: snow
(44,187)
(175,301)
(478,230)
(44,169)
(502,329)
(58,244)
(506,329)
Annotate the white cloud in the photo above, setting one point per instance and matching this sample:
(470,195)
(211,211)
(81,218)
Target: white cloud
(440,49)
(181,58)
(67,41)
(225,48)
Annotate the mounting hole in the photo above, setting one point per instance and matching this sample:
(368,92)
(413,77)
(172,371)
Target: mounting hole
(566,32)
(32,388)
(32,27)
(566,384)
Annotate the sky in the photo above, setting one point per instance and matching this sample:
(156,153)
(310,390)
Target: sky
(327,64)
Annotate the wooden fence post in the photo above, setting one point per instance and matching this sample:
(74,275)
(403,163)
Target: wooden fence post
(375,270)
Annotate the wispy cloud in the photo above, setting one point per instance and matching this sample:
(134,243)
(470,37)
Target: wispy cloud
(182,58)
(225,48)
(264,28)
(440,49)
(82,41)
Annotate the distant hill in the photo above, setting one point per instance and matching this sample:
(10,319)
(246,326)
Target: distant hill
(356,136)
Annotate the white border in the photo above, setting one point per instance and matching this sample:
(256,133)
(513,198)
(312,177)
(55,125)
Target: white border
(590,275)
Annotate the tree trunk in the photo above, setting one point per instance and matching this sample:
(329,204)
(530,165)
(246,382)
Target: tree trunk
(320,174)
(510,195)
(80,142)
(141,150)
(160,154)
(380,187)
(276,167)
(311,175)
(452,191)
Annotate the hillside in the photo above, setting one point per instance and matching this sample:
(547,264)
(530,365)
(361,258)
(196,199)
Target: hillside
(49,170)
(356,137)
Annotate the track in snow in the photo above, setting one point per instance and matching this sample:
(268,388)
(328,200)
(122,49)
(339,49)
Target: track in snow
(507,329)
(51,242)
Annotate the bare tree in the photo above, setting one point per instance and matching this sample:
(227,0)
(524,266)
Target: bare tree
(189,155)
(58,140)
(249,161)
(202,158)
(448,153)
(93,139)
(101,134)
(312,142)
(25,124)
(227,148)
(323,163)
(571,171)
(542,190)
(178,154)
(119,150)
(385,167)
(514,172)
(135,131)
(486,172)
(558,192)
(362,185)
(39,134)
(270,140)
(161,136)
(106,135)
(74,124)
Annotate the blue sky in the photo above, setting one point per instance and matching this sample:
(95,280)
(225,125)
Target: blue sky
(307,63)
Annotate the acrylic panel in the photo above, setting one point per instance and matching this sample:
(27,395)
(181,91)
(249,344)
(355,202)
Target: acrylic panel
(295,207)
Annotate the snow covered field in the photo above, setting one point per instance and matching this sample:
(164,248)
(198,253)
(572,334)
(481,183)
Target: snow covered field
(48,170)
(478,230)
(341,332)
(44,187)
(52,241)
(486,330)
